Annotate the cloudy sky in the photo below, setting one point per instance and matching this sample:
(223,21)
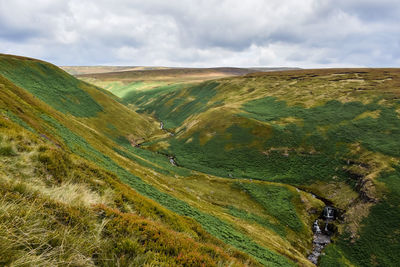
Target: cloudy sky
(299,33)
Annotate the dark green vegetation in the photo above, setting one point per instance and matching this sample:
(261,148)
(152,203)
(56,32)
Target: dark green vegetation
(333,132)
(146,96)
(277,201)
(379,134)
(178,103)
(60,91)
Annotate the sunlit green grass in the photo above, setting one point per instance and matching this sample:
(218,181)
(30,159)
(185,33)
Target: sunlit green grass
(50,84)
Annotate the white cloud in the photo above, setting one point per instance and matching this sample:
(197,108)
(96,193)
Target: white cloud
(309,33)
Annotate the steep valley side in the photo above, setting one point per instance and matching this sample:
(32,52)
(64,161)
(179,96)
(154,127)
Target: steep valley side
(198,167)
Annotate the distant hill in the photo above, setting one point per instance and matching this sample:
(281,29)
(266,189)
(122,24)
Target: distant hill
(85,70)
(121,82)
(77,70)
(170,73)
(274,69)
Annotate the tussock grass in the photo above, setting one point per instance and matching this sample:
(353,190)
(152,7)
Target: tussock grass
(67,210)
(7,151)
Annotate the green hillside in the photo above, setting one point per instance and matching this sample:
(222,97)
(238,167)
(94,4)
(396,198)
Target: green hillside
(240,171)
(50,84)
(84,177)
(331,132)
(63,201)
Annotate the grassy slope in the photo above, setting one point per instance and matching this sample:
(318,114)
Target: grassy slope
(59,91)
(334,132)
(59,209)
(66,140)
(82,214)
(91,106)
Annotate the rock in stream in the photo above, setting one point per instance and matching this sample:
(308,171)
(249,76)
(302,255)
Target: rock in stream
(172,161)
(320,240)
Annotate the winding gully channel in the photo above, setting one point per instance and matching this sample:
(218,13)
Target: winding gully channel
(323,227)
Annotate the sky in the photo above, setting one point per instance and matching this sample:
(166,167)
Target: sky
(204,33)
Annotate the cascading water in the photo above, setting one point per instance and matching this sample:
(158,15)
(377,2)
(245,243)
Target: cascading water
(322,237)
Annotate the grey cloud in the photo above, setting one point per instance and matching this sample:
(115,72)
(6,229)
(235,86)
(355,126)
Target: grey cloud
(17,35)
(310,33)
(371,10)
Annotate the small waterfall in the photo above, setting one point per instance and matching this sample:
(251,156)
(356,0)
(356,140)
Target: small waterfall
(316,228)
(322,237)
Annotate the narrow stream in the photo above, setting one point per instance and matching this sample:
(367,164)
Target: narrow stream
(322,236)
(170,158)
